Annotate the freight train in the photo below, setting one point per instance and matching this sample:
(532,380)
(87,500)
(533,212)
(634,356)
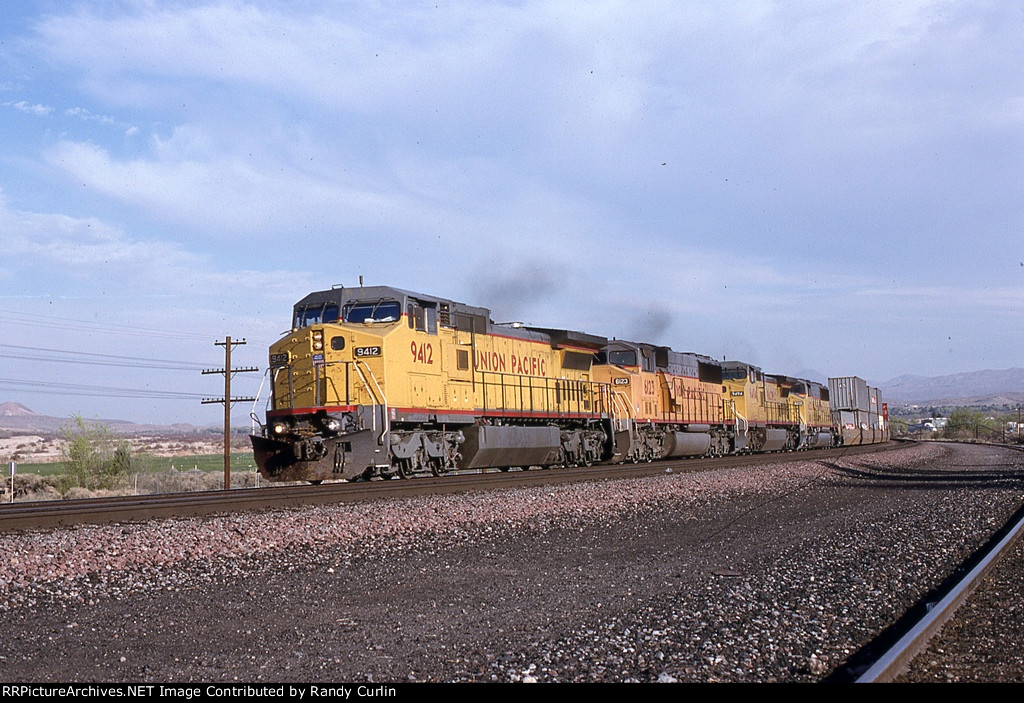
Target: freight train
(381,382)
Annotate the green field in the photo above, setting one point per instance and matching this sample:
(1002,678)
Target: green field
(144,463)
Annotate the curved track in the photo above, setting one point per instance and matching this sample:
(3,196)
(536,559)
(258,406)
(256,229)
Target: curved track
(892,653)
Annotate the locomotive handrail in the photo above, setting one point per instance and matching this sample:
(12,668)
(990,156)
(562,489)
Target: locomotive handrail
(619,399)
(560,397)
(273,399)
(256,401)
(369,392)
(384,401)
(741,421)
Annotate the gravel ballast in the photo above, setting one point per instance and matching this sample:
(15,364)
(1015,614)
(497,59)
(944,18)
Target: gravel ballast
(768,573)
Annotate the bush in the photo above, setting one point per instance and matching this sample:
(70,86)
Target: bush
(95,455)
(967,423)
(28,487)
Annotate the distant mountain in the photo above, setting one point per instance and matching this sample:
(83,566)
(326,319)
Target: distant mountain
(15,410)
(1004,387)
(17,417)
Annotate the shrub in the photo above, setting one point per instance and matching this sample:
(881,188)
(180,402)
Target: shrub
(95,455)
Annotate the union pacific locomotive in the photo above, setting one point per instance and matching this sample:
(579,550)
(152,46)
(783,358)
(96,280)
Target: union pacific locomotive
(379,381)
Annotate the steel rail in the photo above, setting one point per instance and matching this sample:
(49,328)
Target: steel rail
(62,513)
(896,661)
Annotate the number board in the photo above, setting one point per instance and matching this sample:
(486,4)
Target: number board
(363,352)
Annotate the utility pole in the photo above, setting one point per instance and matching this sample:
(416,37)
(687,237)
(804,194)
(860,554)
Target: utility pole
(227,400)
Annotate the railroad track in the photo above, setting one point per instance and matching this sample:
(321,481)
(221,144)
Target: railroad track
(890,655)
(50,514)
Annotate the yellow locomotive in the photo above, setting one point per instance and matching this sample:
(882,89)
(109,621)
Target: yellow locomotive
(380,381)
(775,413)
(666,404)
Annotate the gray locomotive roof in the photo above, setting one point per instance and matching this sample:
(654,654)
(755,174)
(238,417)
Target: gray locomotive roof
(673,355)
(556,337)
(569,337)
(342,295)
(733,364)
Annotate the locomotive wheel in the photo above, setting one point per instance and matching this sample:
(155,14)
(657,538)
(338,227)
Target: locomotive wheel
(404,470)
(438,470)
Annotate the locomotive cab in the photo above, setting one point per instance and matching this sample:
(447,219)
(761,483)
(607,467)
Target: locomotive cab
(328,410)
(669,402)
(743,393)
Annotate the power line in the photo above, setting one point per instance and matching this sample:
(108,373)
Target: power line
(107,328)
(14,384)
(69,356)
(94,359)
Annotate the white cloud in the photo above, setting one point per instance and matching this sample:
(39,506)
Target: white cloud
(38,110)
(84,114)
(714,172)
(87,254)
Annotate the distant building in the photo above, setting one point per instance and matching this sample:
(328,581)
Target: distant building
(928,424)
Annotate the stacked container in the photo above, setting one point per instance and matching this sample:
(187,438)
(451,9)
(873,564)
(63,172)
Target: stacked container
(858,410)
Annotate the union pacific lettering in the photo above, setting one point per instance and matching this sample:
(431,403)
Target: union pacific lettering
(510,363)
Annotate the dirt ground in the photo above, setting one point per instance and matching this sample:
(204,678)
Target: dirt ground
(742,575)
(40,449)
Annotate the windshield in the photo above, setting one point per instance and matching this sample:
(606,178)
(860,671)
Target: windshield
(381,311)
(622,358)
(316,314)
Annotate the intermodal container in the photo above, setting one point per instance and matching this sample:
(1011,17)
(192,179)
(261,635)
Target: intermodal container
(849,393)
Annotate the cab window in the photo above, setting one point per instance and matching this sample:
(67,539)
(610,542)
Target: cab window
(622,358)
(422,318)
(382,311)
(315,315)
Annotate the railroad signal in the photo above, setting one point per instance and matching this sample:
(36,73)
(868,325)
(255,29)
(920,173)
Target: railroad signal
(227,400)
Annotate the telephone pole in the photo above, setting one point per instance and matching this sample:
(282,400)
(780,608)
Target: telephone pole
(227,400)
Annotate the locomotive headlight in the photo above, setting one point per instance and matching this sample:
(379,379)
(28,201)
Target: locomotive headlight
(279,428)
(318,340)
(333,424)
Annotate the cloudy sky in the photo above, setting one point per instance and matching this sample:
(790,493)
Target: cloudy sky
(828,186)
